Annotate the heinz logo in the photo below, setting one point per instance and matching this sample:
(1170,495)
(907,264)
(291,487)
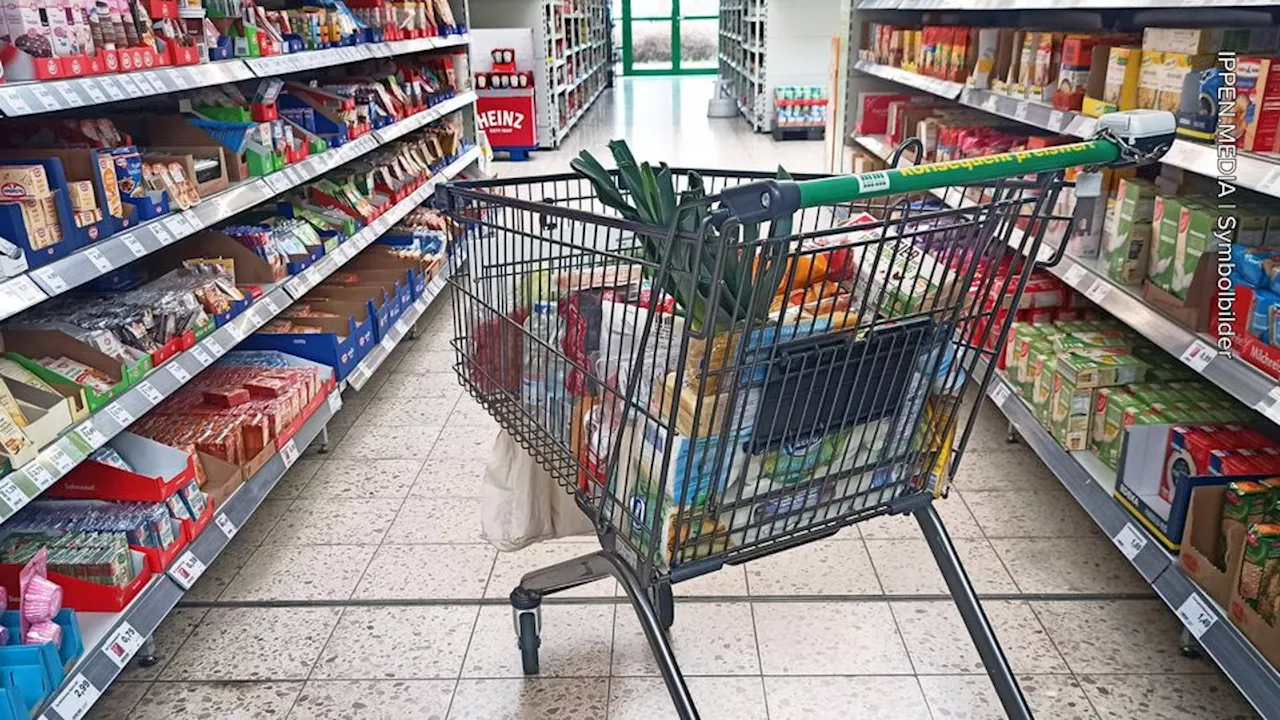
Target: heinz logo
(501,119)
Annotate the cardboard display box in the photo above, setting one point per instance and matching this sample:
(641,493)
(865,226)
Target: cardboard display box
(34,344)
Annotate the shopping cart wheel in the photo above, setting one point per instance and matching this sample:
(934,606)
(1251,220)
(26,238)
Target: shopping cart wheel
(527,634)
(665,605)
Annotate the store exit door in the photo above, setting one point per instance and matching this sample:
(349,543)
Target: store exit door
(667,37)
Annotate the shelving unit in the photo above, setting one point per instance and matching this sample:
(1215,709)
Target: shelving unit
(1090,482)
(766,45)
(129,628)
(574,39)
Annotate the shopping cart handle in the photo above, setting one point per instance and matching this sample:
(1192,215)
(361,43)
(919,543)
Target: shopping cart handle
(1123,138)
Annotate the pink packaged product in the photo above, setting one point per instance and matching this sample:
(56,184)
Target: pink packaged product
(39,601)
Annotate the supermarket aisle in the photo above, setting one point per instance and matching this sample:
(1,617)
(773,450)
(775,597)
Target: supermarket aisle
(362,590)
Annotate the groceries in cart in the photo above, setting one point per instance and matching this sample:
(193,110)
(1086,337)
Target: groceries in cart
(715,387)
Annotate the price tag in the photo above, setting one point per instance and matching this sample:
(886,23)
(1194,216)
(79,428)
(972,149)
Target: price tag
(1098,291)
(75,701)
(1055,120)
(388,344)
(150,392)
(186,570)
(161,232)
(123,644)
(135,247)
(270,305)
(224,523)
(61,460)
(402,326)
(52,278)
(45,97)
(39,475)
(12,494)
(999,394)
(91,435)
(1198,355)
(1074,274)
(94,92)
(1271,183)
(335,402)
(294,287)
(119,414)
(20,106)
(180,226)
(289,454)
(19,294)
(129,85)
(200,355)
(193,219)
(214,347)
(144,86)
(1196,615)
(178,372)
(277,182)
(156,81)
(109,84)
(1020,112)
(1130,541)
(99,260)
(69,96)
(236,331)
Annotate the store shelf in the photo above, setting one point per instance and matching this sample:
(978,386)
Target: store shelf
(60,457)
(1091,484)
(1255,171)
(1243,381)
(105,256)
(564,131)
(112,639)
(378,355)
(33,98)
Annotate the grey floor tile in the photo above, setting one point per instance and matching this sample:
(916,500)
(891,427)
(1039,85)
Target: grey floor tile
(469,413)
(374,442)
(955,515)
(511,566)
(825,567)
(118,700)
(409,411)
(906,567)
(416,572)
(1029,514)
(577,641)
(319,448)
(300,572)
(373,700)
(464,443)
(532,699)
(419,385)
(971,697)
(449,478)
(708,638)
(728,581)
(297,477)
(939,644)
(1068,565)
(1017,468)
(1167,697)
(260,523)
(844,638)
(253,644)
(221,700)
(334,521)
(436,520)
(397,643)
(350,479)
(1116,636)
(174,631)
(717,698)
(430,362)
(845,697)
(221,572)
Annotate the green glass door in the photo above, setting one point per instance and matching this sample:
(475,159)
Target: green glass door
(665,37)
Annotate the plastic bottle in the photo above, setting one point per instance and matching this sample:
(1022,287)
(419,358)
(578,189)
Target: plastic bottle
(543,378)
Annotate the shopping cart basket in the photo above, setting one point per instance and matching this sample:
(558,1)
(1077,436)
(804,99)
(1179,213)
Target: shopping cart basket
(782,359)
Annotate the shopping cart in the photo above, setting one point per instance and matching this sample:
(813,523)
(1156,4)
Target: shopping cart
(784,358)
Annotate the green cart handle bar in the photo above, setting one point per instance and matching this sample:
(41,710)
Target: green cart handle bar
(1124,138)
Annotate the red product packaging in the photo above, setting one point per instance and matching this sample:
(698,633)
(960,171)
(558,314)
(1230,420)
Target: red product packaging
(873,111)
(226,398)
(1190,449)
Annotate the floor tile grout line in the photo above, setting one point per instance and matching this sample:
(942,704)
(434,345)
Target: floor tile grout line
(1074,675)
(755,631)
(462,666)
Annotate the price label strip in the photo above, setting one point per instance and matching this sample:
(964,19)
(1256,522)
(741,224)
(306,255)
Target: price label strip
(186,570)
(289,454)
(1000,394)
(149,391)
(179,373)
(91,435)
(76,699)
(123,644)
(1130,541)
(61,460)
(135,247)
(39,475)
(1196,615)
(224,524)
(13,495)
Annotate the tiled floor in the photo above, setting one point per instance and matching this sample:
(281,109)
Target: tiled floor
(384,529)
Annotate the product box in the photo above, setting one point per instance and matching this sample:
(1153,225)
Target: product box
(47,414)
(1095,367)
(34,344)
(992,58)
(873,111)
(1119,85)
(23,182)
(1141,479)
(1125,248)
(1165,215)
(159,471)
(1150,74)
(1071,412)
(1212,550)
(1194,241)
(340,344)
(1258,92)
(1189,41)
(1179,74)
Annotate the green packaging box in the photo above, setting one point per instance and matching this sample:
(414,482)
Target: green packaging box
(1164,222)
(1100,367)
(1071,411)
(1194,241)
(1126,250)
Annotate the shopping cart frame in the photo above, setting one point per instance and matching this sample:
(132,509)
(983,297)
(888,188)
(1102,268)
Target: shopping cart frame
(651,595)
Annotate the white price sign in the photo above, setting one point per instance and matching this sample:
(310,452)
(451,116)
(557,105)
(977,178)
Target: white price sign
(335,402)
(203,357)
(91,435)
(75,701)
(123,644)
(193,219)
(1099,291)
(12,494)
(277,182)
(45,97)
(156,81)
(68,95)
(52,278)
(1055,120)
(186,570)
(1196,615)
(388,343)
(294,287)
(144,86)
(214,346)
(179,225)
(236,331)
(1074,274)
(61,460)
(224,524)
(999,394)
(1198,355)
(119,414)
(1130,541)
(150,392)
(161,232)
(1271,183)
(95,92)
(1020,112)
(39,475)
(111,87)
(179,373)
(270,305)
(17,294)
(134,246)
(289,454)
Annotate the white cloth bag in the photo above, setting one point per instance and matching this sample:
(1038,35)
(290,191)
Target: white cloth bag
(521,504)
